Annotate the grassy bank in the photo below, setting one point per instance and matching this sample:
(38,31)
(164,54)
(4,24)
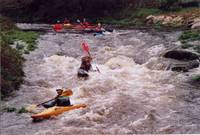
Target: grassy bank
(138,17)
(130,17)
(188,39)
(24,42)
(11,56)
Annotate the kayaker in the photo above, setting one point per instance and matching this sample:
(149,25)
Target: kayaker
(85,67)
(62,99)
(58,26)
(85,23)
(99,28)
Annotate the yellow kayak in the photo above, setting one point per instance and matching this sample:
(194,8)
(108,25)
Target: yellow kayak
(67,25)
(56,110)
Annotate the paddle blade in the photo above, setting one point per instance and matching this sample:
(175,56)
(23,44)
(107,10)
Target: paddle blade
(85,47)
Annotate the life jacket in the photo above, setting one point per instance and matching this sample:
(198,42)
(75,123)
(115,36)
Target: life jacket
(86,24)
(86,63)
(63,99)
(57,27)
(98,28)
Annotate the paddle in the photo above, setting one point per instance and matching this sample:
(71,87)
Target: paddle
(46,102)
(66,92)
(86,48)
(31,108)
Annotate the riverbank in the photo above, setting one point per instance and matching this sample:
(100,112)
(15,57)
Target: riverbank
(185,18)
(14,43)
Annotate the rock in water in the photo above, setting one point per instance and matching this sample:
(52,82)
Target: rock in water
(183,60)
(181,55)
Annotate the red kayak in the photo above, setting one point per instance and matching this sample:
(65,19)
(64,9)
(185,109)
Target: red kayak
(83,27)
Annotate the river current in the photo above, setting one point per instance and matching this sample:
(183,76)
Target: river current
(132,94)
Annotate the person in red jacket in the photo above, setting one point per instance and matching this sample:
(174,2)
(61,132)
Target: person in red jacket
(85,23)
(58,26)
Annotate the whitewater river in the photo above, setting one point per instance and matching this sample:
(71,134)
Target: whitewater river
(133,93)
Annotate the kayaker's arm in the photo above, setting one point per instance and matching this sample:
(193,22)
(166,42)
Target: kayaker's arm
(48,100)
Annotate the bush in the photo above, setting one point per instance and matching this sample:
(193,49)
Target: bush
(13,109)
(131,16)
(185,46)
(189,36)
(11,59)
(144,12)
(17,35)
(196,78)
(197,48)
(22,110)
(167,4)
(6,24)
(11,69)
(9,109)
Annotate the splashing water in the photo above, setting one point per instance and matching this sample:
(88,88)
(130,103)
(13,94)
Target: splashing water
(125,98)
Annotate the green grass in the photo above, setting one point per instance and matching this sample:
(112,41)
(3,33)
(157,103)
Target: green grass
(17,35)
(137,17)
(13,109)
(11,59)
(130,17)
(190,36)
(186,46)
(22,110)
(197,48)
(144,12)
(9,109)
(196,78)
(11,69)
(182,10)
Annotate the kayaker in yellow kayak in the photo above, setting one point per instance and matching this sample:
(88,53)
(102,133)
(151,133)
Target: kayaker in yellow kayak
(57,106)
(62,99)
(85,67)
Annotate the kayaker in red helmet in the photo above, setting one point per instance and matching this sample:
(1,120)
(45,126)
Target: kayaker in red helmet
(58,26)
(85,23)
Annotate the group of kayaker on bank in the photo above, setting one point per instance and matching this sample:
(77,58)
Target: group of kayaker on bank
(84,26)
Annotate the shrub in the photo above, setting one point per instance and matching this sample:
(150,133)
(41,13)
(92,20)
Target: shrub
(189,36)
(22,110)
(9,109)
(185,46)
(197,48)
(11,69)
(196,78)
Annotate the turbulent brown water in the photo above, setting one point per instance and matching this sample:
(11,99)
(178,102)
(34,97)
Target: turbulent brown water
(127,97)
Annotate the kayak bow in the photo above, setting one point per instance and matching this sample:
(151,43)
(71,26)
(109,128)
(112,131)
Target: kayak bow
(56,110)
